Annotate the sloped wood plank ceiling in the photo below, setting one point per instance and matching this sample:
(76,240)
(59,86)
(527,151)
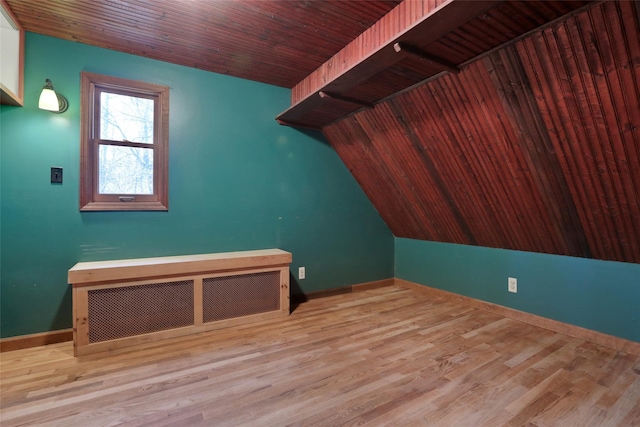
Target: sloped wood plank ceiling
(275,42)
(416,41)
(534,147)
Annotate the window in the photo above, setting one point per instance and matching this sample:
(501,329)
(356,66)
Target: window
(124,144)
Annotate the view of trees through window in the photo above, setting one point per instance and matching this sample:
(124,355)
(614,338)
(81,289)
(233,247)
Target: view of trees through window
(126,168)
(124,144)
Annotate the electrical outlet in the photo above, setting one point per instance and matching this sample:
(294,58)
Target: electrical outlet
(513,285)
(301,273)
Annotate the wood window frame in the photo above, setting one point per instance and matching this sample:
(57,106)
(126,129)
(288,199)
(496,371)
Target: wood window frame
(90,200)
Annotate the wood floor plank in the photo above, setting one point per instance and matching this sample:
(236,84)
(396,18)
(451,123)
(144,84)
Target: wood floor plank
(383,357)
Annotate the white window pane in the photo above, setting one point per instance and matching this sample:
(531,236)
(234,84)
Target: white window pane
(125,170)
(126,118)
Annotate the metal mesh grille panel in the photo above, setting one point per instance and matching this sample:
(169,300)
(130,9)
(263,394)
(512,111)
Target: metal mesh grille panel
(242,295)
(134,310)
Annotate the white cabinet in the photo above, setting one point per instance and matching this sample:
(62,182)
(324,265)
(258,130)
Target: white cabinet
(11,58)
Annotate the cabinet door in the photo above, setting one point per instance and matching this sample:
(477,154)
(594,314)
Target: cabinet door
(12,53)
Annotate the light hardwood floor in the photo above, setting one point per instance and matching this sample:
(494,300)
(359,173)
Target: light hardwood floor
(383,357)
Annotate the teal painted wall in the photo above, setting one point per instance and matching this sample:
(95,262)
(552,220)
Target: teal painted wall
(237,181)
(600,295)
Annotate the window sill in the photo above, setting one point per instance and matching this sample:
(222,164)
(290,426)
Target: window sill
(124,206)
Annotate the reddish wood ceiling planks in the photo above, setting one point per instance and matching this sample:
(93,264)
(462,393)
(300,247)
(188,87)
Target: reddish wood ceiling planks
(374,38)
(412,43)
(535,147)
(276,42)
(585,76)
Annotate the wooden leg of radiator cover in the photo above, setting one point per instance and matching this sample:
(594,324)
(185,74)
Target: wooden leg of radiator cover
(198,309)
(284,290)
(80,319)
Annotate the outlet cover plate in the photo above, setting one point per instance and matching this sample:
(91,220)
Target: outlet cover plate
(56,175)
(513,285)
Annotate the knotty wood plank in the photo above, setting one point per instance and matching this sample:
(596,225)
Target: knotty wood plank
(80,319)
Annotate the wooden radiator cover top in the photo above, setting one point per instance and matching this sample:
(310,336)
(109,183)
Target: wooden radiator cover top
(86,273)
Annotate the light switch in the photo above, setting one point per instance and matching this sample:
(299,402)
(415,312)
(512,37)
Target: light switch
(56,175)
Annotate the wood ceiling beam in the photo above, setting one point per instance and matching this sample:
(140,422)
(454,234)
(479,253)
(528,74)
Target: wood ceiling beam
(439,62)
(346,99)
(411,23)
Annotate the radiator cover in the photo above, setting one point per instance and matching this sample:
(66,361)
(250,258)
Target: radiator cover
(121,303)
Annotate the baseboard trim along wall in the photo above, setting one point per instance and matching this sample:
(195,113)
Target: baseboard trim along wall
(300,298)
(620,344)
(600,338)
(35,340)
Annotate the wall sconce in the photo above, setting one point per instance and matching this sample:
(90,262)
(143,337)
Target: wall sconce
(52,101)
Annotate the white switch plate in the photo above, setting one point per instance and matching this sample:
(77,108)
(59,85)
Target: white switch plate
(513,285)
(301,273)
